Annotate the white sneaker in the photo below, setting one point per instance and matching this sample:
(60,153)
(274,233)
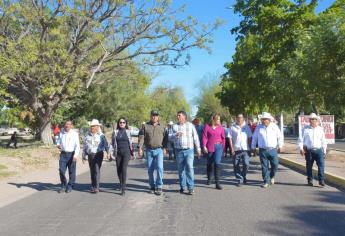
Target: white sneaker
(265,185)
(272,181)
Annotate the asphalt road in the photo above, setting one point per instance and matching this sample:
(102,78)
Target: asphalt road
(287,208)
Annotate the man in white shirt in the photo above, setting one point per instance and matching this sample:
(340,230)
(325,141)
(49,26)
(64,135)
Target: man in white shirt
(240,138)
(270,141)
(68,143)
(312,145)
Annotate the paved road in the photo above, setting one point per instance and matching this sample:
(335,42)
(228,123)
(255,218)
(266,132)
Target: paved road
(287,208)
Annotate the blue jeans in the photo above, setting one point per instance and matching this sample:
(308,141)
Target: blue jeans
(185,166)
(319,157)
(66,161)
(241,156)
(268,157)
(213,162)
(155,161)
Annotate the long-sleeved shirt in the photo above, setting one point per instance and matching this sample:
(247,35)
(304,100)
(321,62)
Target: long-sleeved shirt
(267,137)
(94,143)
(312,138)
(69,142)
(212,136)
(189,137)
(153,136)
(239,136)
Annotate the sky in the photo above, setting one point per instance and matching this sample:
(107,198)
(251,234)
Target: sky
(203,64)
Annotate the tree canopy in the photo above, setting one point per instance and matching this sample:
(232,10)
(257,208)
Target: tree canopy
(53,50)
(287,58)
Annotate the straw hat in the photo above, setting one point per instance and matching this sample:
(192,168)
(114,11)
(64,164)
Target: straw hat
(95,122)
(266,115)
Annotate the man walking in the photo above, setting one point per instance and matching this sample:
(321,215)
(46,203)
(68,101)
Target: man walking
(240,138)
(68,143)
(312,145)
(13,140)
(155,138)
(270,141)
(186,138)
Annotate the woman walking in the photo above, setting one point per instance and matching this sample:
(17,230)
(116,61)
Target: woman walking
(122,150)
(95,144)
(213,144)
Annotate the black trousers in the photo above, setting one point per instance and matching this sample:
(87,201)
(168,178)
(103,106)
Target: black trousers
(122,160)
(227,147)
(95,164)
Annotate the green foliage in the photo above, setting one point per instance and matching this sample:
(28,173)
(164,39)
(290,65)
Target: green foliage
(287,58)
(208,102)
(168,101)
(52,51)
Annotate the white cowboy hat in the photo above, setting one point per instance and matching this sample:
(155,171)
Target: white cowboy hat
(171,123)
(266,115)
(313,116)
(95,122)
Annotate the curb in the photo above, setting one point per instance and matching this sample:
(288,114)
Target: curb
(330,179)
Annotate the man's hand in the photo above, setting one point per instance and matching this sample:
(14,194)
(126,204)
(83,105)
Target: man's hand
(165,152)
(205,150)
(58,146)
(75,158)
(232,152)
(179,134)
(199,154)
(302,152)
(140,152)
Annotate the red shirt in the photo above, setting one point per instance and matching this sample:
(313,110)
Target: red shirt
(212,136)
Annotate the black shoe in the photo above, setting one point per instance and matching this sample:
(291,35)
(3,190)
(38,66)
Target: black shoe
(219,187)
(152,190)
(158,191)
(69,189)
(244,181)
(191,192)
(62,189)
(310,183)
(181,190)
(322,183)
(208,182)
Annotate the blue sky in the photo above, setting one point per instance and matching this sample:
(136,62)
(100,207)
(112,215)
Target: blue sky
(223,46)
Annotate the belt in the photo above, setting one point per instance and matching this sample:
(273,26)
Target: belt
(218,143)
(154,148)
(267,149)
(64,152)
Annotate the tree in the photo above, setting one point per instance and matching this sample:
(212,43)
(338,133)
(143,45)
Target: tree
(168,101)
(268,35)
(53,50)
(208,102)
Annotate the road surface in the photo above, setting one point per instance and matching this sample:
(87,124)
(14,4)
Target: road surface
(287,208)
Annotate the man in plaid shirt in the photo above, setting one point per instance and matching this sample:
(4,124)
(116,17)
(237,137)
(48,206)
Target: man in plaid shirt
(185,139)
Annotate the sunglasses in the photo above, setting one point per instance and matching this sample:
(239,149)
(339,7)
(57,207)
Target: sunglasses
(122,122)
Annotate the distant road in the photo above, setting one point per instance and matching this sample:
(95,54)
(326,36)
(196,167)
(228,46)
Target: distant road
(339,143)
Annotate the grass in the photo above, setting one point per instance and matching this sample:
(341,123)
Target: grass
(4,172)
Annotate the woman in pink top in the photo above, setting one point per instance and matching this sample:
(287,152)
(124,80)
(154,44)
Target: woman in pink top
(213,141)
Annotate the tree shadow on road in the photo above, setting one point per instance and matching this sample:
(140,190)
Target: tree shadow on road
(306,220)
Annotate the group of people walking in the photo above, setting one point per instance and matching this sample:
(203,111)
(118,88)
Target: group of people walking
(188,140)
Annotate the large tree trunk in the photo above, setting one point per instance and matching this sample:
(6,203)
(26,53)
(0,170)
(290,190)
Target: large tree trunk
(46,134)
